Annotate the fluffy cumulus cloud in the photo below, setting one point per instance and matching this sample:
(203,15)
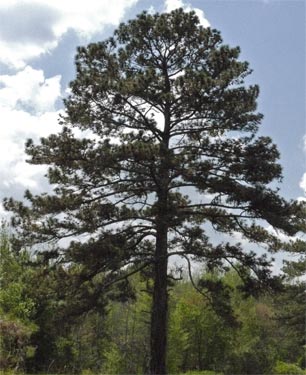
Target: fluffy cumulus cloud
(174,4)
(303,179)
(29,90)
(303,183)
(28,110)
(38,25)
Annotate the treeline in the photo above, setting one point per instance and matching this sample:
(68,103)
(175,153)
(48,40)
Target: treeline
(52,323)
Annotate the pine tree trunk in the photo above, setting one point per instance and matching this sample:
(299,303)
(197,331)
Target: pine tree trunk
(160,298)
(159,308)
(159,311)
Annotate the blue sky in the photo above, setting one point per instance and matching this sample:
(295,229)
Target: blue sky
(38,39)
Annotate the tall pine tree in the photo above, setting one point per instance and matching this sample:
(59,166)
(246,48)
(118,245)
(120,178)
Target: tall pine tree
(168,146)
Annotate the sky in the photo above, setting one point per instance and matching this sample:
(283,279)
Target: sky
(38,40)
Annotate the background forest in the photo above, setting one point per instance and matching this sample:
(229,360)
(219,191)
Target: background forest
(43,328)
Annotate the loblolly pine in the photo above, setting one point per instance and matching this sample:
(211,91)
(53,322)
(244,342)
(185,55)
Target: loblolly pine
(168,147)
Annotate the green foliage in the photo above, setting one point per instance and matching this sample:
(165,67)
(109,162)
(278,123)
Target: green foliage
(14,299)
(119,342)
(202,336)
(16,307)
(14,346)
(87,372)
(290,313)
(113,361)
(282,368)
(128,329)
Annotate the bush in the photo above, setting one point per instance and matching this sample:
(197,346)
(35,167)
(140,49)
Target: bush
(205,372)
(14,343)
(283,368)
(87,372)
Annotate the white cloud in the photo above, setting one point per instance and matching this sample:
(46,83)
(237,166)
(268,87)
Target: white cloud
(303,183)
(16,54)
(88,17)
(151,9)
(39,24)
(174,4)
(27,110)
(4,215)
(303,179)
(17,127)
(29,89)
(279,234)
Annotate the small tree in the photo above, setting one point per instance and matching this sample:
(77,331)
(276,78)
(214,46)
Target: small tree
(16,306)
(168,144)
(290,313)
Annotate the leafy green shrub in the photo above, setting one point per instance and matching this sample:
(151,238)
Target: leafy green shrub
(283,368)
(113,361)
(87,372)
(205,372)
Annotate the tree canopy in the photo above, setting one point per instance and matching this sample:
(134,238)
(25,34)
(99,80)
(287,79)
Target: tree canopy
(159,143)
